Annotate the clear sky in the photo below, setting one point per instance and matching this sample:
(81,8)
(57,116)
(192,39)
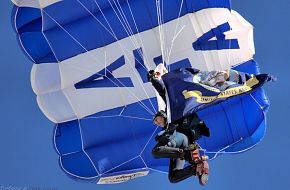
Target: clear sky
(27,157)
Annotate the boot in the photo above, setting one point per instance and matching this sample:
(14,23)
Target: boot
(200,162)
(202,172)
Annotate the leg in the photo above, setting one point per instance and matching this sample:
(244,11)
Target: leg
(180,141)
(202,172)
(161,151)
(176,175)
(202,168)
(191,154)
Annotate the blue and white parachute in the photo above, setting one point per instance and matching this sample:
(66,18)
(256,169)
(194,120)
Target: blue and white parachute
(89,74)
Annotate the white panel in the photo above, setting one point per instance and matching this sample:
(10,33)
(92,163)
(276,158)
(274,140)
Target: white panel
(34,3)
(79,67)
(150,46)
(45,78)
(122,177)
(56,107)
(89,101)
(179,35)
(67,103)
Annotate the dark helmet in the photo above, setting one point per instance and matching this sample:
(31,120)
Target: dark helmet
(160,113)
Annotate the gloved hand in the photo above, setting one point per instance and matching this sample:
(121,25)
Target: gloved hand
(163,139)
(150,75)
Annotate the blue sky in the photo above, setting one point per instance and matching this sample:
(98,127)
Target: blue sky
(28,159)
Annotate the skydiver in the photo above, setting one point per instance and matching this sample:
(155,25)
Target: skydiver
(175,145)
(197,126)
(220,80)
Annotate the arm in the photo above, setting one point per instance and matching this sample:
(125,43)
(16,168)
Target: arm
(157,84)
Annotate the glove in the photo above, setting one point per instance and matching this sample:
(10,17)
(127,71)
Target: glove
(163,139)
(150,75)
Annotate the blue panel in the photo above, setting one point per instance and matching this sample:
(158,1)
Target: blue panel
(95,131)
(216,120)
(254,116)
(112,112)
(133,164)
(158,164)
(28,25)
(239,122)
(89,25)
(139,10)
(124,142)
(138,109)
(185,63)
(235,118)
(251,141)
(262,99)
(112,155)
(36,44)
(196,5)
(62,41)
(68,138)
(108,79)
(134,110)
(157,60)
(103,147)
(78,164)
(139,64)
(204,42)
(26,16)
(170,11)
(250,66)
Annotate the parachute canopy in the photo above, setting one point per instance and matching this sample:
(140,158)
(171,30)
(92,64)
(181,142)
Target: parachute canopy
(91,58)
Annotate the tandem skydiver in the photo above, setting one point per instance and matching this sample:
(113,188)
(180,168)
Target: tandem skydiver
(176,145)
(177,141)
